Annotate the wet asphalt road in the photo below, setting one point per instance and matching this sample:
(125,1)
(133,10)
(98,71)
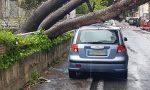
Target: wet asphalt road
(59,80)
(138,46)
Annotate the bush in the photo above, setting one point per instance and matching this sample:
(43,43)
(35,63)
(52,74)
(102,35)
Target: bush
(20,47)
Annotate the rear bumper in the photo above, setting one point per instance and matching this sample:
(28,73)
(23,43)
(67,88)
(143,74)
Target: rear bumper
(92,67)
(99,62)
(117,64)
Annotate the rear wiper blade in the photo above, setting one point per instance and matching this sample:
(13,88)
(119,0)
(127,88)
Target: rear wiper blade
(94,42)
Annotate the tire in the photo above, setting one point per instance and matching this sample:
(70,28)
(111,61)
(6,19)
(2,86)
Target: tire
(72,74)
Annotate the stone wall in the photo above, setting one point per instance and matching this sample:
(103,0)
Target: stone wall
(0,9)
(11,15)
(10,9)
(19,74)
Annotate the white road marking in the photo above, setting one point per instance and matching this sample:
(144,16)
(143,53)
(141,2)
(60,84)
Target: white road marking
(100,85)
(90,83)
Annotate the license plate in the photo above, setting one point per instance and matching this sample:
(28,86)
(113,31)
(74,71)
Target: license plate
(97,53)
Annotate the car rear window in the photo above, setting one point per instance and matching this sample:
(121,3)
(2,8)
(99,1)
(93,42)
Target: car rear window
(97,37)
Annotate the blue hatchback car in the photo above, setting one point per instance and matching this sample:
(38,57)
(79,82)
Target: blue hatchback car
(98,49)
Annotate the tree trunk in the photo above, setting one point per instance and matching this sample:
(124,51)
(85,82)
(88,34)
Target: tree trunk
(91,18)
(43,11)
(60,13)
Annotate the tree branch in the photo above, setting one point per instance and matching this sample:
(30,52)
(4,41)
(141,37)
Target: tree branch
(60,13)
(91,18)
(41,12)
(93,6)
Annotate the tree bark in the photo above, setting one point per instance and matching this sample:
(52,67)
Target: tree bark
(43,11)
(60,13)
(94,17)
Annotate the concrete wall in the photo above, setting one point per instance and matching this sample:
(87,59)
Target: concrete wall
(18,74)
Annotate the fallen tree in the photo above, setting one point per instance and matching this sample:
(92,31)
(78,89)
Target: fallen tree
(40,14)
(59,14)
(93,17)
(53,17)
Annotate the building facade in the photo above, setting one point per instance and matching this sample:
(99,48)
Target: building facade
(144,10)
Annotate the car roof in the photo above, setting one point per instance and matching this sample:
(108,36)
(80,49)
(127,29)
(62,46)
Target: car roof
(99,27)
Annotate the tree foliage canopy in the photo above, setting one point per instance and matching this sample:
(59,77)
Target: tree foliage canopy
(96,5)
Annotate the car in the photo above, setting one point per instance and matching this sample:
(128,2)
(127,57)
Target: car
(142,21)
(97,49)
(110,22)
(146,25)
(127,19)
(134,21)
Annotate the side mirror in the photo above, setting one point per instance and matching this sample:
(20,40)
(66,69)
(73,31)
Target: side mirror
(125,39)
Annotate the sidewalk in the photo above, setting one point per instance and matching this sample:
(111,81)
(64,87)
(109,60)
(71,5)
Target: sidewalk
(56,78)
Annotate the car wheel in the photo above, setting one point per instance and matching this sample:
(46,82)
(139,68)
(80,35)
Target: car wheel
(72,74)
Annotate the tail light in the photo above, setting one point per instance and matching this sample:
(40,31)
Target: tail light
(74,47)
(78,65)
(121,48)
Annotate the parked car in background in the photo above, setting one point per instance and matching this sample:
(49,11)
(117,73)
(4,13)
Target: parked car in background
(110,23)
(134,21)
(146,24)
(127,19)
(98,49)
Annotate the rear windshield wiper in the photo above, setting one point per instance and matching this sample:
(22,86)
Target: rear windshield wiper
(92,42)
